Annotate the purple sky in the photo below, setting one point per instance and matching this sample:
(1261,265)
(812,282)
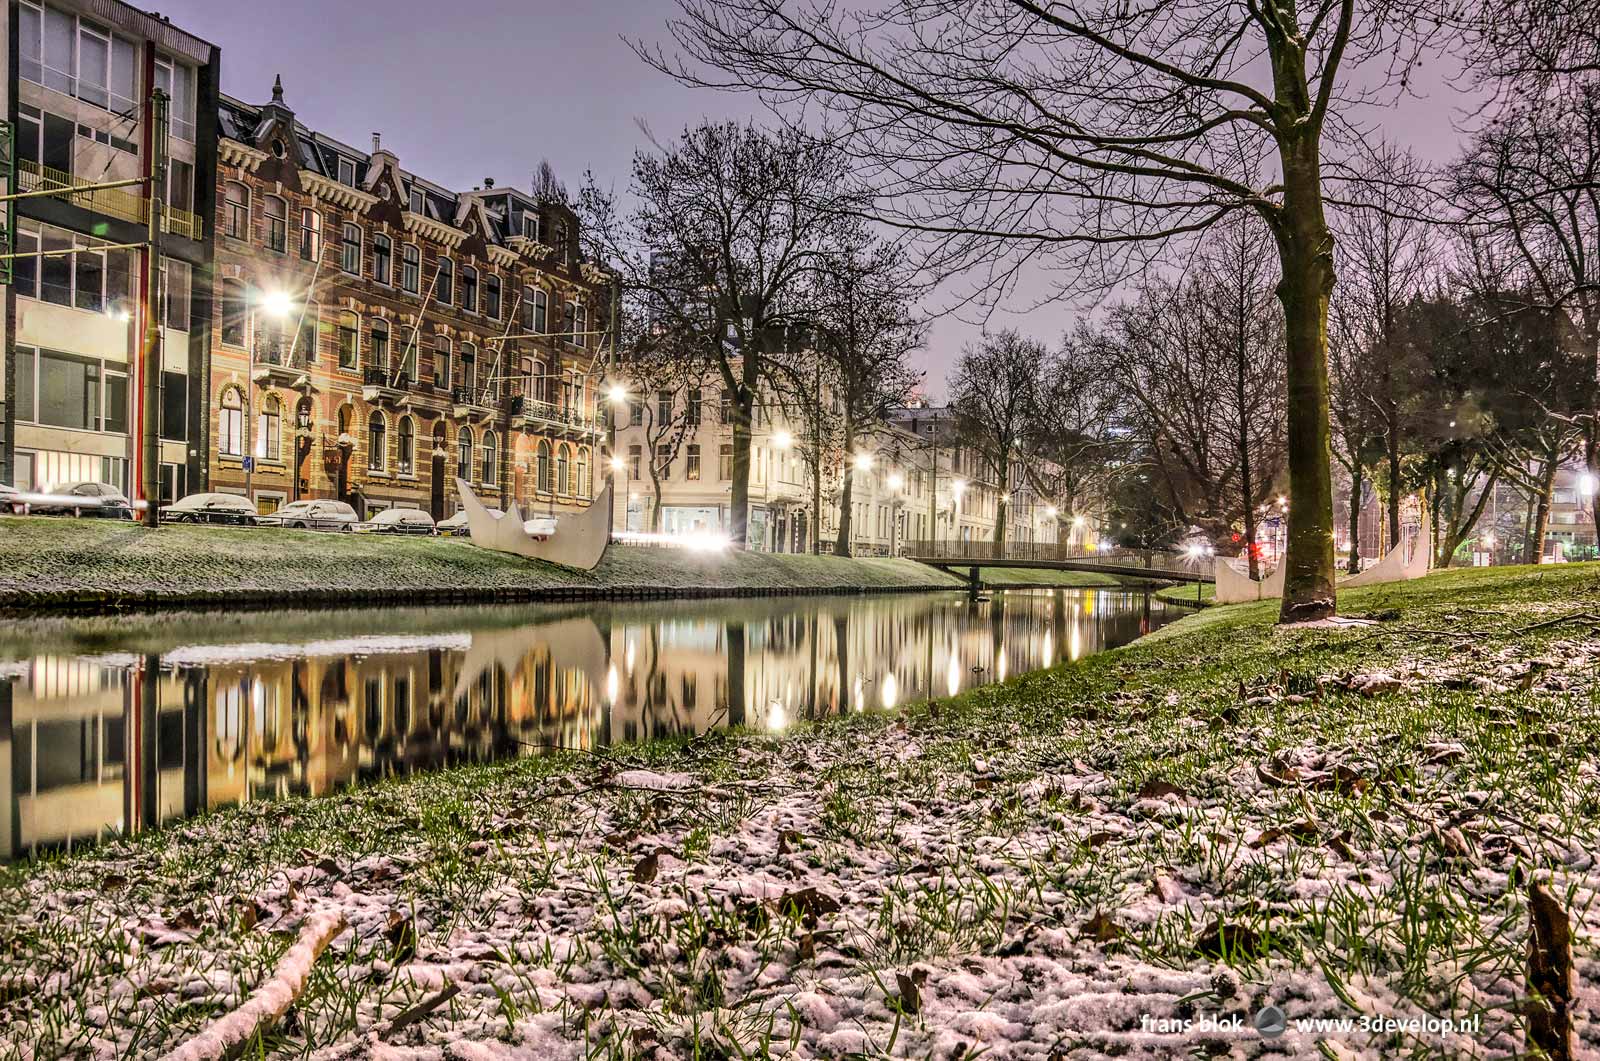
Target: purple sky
(438,82)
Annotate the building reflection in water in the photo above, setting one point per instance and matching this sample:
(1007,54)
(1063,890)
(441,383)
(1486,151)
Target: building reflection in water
(92,745)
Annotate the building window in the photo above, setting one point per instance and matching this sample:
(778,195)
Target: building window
(583,473)
(177,81)
(405,446)
(542,469)
(350,250)
(379,353)
(692,463)
(491,470)
(310,235)
(230,425)
(541,312)
(530,225)
(464,454)
(235,311)
(236,210)
(444,284)
(408,364)
(636,414)
(416,202)
(269,426)
(377,442)
(175,278)
(469,289)
(663,407)
(382,255)
(347,172)
(349,340)
(635,460)
(564,470)
(469,369)
(276,212)
(725,462)
(663,462)
(694,407)
(441,362)
(725,410)
(411,268)
(310,330)
(174,406)
(491,297)
(63,390)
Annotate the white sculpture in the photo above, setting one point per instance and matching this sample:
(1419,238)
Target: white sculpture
(576,540)
(1410,559)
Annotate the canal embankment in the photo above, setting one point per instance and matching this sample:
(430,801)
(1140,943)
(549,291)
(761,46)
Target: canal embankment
(87,565)
(1218,817)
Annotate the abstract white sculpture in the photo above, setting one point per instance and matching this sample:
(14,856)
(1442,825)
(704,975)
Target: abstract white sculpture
(1410,559)
(577,540)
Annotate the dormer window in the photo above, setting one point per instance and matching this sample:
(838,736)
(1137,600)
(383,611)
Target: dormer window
(347,172)
(417,205)
(530,226)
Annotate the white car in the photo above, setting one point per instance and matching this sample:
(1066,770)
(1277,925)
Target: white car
(11,500)
(400,521)
(314,515)
(212,508)
(456,525)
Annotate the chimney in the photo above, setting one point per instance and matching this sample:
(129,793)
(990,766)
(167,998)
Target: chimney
(488,182)
(377,142)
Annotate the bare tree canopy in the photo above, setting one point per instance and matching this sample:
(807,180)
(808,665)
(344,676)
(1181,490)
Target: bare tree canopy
(1516,39)
(1087,135)
(996,390)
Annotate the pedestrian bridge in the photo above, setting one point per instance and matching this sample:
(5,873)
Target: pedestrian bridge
(1162,565)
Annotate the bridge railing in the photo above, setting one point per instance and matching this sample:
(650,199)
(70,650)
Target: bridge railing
(958,551)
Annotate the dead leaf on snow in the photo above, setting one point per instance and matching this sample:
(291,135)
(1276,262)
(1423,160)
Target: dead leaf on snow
(1101,928)
(644,871)
(1156,788)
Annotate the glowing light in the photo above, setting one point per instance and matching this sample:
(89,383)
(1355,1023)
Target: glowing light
(891,691)
(1050,513)
(1194,552)
(1587,484)
(958,488)
(628,656)
(896,481)
(613,684)
(618,393)
(694,541)
(862,461)
(783,440)
(616,464)
(1000,667)
(276,303)
(1075,643)
(1077,521)
(777,717)
(1488,541)
(952,676)
(858,694)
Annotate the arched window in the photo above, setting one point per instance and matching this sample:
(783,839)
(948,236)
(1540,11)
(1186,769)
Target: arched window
(469,370)
(350,250)
(444,287)
(235,313)
(349,341)
(379,355)
(269,429)
(377,442)
(230,424)
(583,473)
(491,296)
(491,470)
(405,446)
(441,362)
(382,259)
(564,470)
(411,268)
(469,289)
(542,468)
(237,210)
(277,218)
(527,309)
(464,454)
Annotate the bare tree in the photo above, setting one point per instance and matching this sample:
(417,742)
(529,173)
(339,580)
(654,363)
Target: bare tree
(726,224)
(862,307)
(1530,186)
(1086,135)
(995,391)
(1073,434)
(1516,39)
(664,399)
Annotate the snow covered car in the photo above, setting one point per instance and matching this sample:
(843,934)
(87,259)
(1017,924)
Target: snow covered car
(456,525)
(11,500)
(314,515)
(212,508)
(399,521)
(84,499)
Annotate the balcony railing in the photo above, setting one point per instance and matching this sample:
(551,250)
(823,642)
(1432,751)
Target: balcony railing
(113,202)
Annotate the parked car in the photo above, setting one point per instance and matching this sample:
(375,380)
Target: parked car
(314,515)
(85,499)
(212,508)
(11,500)
(400,521)
(456,525)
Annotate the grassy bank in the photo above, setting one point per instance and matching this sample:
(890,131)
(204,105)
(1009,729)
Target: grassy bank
(1182,594)
(1003,577)
(1340,820)
(59,563)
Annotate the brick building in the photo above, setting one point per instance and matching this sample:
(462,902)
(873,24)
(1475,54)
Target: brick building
(378,334)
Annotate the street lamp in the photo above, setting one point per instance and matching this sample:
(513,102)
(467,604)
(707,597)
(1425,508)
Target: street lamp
(782,439)
(896,481)
(617,393)
(276,304)
(863,461)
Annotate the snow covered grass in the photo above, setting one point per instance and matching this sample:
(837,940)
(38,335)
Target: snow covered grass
(1342,821)
(98,564)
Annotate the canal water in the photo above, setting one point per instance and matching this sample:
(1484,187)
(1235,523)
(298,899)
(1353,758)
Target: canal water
(111,724)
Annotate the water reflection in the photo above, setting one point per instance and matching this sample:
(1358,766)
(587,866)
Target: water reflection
(182,715)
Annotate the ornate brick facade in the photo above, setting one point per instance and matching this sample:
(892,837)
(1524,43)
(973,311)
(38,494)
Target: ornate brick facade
(376,335)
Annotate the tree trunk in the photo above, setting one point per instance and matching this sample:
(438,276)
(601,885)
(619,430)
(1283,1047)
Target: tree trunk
(1392,444)
(655,509)
(1541,518)
(1306,247)
(841,543)
(1002,508)
(1244,446)
(1357,480)
(739,502)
